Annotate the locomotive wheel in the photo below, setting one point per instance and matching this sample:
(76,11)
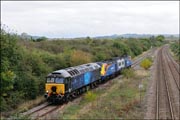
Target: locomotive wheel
(95,84)
(92,86)
(87,88)
(84,89)
(74,94)
(65,100)
(68,98)
(78,92)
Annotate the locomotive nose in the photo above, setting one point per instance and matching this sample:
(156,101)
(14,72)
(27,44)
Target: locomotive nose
(53,88)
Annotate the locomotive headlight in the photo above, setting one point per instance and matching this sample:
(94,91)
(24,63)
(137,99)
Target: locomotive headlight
(47,91)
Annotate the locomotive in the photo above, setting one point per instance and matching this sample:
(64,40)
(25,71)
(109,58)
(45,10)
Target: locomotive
(65,84)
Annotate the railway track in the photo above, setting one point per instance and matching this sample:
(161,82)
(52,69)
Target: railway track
(44,109)
(43,112)
(176,65)
(173,67)
(167,88)
(36,109)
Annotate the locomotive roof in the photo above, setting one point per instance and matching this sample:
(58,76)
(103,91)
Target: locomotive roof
(74,71)
(112,60)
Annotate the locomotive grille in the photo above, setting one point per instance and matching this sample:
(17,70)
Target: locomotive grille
(53,88)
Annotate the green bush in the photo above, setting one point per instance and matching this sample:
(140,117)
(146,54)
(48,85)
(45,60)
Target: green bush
(7,80)
(175,47)
(146,63)
(15,98)
(128,73)
(160,38)
(3,104)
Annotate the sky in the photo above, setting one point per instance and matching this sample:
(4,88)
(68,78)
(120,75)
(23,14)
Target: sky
(68,19)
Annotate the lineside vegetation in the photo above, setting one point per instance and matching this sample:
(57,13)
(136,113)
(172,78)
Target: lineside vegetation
(25,62)
(146,63)
(175,47)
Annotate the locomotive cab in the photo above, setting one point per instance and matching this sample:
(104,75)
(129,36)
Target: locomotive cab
(128,61)
(55,88)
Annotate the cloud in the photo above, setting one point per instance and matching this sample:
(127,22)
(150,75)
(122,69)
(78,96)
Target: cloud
(78,18)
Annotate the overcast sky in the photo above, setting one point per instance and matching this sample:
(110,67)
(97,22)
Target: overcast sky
(93,18)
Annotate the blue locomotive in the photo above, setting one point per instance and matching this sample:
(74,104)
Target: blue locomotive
(66,84)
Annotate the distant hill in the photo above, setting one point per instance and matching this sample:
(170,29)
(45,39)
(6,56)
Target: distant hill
(128,35)
(136,35)
(29,37)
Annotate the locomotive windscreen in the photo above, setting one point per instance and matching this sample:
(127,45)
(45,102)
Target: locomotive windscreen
(55,80)
(50,80)
(59,80)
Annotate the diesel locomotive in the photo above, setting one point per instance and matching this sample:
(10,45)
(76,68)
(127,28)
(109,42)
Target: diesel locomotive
(65,84)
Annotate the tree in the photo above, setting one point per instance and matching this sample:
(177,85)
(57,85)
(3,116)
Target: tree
(79,57)
(9,57)
(135,47)
(7,80)
(160,38)
(41,39)
(123,48)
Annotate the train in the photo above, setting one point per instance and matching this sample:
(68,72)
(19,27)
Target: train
(66,84)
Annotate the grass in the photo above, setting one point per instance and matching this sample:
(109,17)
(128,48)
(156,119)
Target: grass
(30,104)
(15,114)
(119,99)
(176,57)
(24,107)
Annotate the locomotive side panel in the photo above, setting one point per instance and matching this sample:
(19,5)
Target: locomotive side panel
(87,78)
(77,82)
(107,70)
(128,63)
